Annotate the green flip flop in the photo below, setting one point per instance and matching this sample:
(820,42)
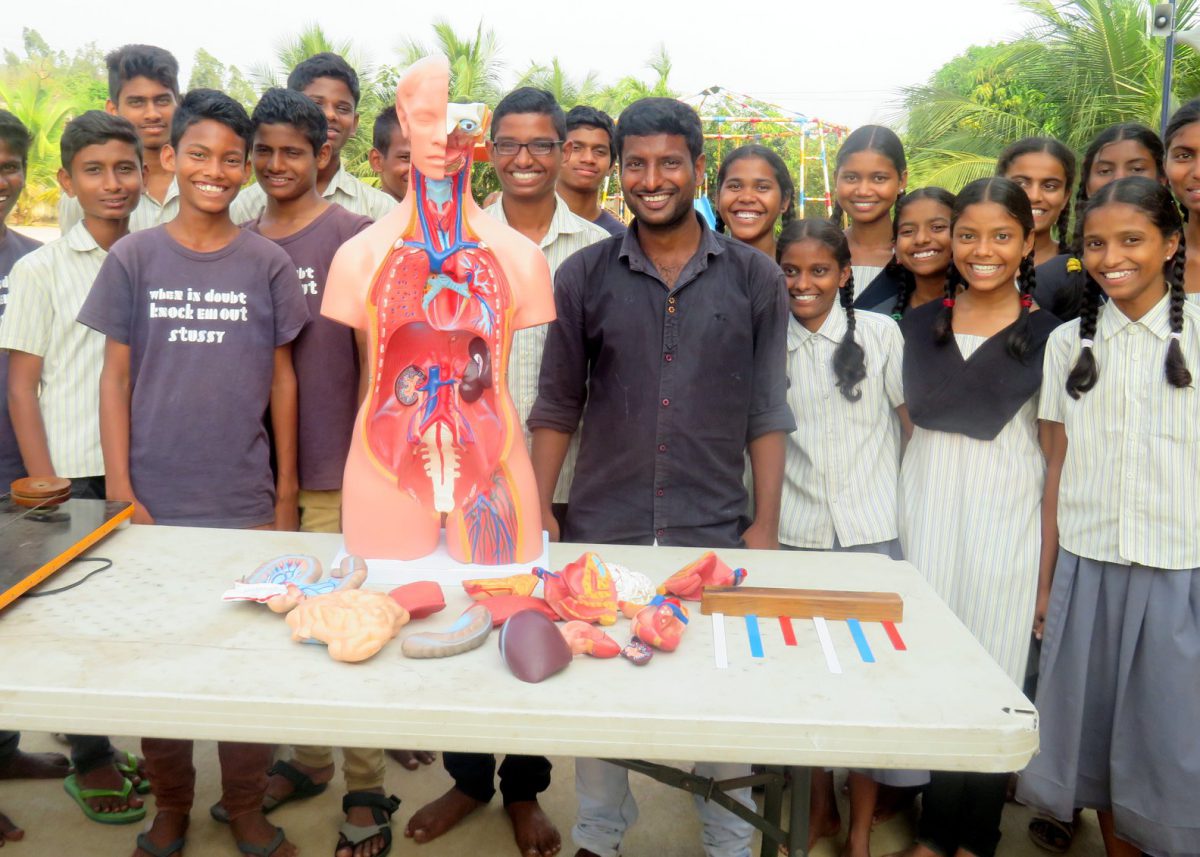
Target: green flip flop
(81,796)
(127,764)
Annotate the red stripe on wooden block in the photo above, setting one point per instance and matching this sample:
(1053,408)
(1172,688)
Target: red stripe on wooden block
(789,635)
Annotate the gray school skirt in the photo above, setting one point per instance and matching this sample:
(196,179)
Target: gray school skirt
(899,778)
(1119,702)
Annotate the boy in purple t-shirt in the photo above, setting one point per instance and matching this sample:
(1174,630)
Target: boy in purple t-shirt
(199,318)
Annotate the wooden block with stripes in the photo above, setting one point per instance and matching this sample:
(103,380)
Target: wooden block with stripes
(802,603)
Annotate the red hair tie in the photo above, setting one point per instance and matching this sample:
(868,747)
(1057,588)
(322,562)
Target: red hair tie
(1027,301)
(948,302)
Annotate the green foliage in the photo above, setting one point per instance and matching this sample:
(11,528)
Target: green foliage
(211,73)
(1080,67)
(45,89)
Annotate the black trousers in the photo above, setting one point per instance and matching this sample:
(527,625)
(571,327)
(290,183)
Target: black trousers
(962,811)
(88,488)
(8,745)
(522,778)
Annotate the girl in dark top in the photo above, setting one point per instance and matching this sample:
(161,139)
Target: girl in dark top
(973,474)
(872,173)
(1119,151)
(755,193)
(1182,169)
(916,273)
(1045,170)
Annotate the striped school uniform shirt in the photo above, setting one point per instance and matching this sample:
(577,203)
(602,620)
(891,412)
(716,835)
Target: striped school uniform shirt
(843,461)
(46,290)
(1129,491)
(567,233)
(148,214)
(348,191)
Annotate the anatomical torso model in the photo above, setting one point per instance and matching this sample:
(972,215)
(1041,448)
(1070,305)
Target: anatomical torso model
(439,287)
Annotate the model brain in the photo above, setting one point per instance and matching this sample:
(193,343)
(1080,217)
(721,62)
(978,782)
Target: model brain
(353,623)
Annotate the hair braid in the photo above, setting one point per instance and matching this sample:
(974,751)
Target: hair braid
(1176,367)
(1018,339)
(1081,197)
(896,205)
(1062,225)
(1086,372)
(837,215)
(943,328)
(908,285)
(849,360)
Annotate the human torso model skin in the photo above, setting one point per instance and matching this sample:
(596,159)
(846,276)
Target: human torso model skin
(440,288)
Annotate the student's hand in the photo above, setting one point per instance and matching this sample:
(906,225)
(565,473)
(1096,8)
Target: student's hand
(287,514)
(758,537)
(550,525)
(1039,612)
(141,515)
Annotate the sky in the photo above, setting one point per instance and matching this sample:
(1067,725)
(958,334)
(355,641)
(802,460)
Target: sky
(841,61)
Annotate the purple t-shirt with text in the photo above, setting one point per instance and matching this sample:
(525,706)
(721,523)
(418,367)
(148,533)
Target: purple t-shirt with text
(12,247)
(324,354)
(202,329)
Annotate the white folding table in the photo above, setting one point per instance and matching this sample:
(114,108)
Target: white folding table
(148,648)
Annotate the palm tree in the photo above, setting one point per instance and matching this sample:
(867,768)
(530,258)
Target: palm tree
(44,109)
(1080,67)
(615,98)
(475,66)
(293,50)
(555,80)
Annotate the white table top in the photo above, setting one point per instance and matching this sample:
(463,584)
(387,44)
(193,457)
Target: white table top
(149,649)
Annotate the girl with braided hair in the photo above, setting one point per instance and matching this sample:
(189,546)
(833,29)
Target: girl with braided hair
(1182,167)
(843,461)
(1118,696)
(755,193)
(916,273)
(972,477)
(1119,151)
(871,174)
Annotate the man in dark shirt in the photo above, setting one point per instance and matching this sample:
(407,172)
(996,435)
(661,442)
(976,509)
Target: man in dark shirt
(673,339)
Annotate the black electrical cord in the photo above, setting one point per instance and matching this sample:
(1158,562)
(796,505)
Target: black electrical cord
(107,565)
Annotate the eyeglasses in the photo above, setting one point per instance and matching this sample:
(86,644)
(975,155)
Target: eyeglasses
(537,148)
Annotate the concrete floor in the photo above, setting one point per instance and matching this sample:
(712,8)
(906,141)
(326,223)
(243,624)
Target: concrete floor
(668,825)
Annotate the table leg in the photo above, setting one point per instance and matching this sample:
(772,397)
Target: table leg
(798,823)
(772,811)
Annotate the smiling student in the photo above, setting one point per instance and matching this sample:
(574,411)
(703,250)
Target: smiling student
(143,87)
(198,305)
(588,159)
(391,153)
(54,376)
(1182,168)
(871,175)
(972,478)
(916,273)
(330,83)
(755,194)
(1118,699)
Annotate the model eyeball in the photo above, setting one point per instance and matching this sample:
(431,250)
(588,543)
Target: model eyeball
(468,126)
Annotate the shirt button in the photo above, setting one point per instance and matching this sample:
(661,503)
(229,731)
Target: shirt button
(670,300)
(666,403)
(671,309)
(662,447)
(659,492)
(668,357)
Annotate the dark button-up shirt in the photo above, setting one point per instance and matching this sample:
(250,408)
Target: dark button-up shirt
(675,383)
